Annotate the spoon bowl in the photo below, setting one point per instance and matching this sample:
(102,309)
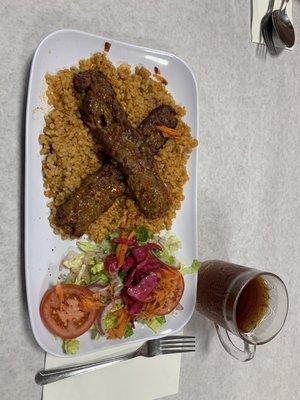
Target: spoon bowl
(283,27)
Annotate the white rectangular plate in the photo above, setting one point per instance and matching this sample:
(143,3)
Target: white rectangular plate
(44,249)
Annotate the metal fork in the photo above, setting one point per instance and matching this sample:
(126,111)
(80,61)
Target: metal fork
(151,348)
(266,27)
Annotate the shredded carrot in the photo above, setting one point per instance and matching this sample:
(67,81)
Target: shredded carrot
(59,293)
(118,251)
(122,254)
(167,288)
(131,235)
(122,250)
(90,304)
(110,290)
(123,318)
(168,132)
(119,245)
(161,79)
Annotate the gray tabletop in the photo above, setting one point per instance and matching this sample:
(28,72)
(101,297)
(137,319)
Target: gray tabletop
(248,197)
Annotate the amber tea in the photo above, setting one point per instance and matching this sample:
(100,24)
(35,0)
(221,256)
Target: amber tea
(252,305)
(216,280)
(239,299)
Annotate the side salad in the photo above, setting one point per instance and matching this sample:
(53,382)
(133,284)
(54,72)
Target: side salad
(107,288)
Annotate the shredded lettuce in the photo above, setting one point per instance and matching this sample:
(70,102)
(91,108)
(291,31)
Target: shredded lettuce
(71,346)
(83,276)
(90,261)
(100,277)
(95,269)
(107,246)
(87,246)
(73,261)
(128,331)
(170,244)
(155,323)
(142,234)
(117,306)
(95,334)
(110,321)
(190,269)
(166,257)
(113,235)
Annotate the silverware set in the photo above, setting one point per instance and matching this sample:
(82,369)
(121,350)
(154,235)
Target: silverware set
(276,28)
(151,348)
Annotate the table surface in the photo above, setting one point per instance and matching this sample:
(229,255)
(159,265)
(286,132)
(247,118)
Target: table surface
(248,194)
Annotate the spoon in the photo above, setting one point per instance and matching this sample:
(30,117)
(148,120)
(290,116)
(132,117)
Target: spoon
(283,26)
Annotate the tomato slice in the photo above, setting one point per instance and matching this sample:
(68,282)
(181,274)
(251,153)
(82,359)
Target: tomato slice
(63,313)
(167,293)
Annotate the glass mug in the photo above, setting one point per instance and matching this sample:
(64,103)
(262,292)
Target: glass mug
(251,304)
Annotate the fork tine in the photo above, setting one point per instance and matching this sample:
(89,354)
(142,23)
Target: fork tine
(176,343)
(271,48)
(190,346)
(269,43)
(177,351)
(266,37)
(268,40)
(274,51)
(166,342)
(176,337)
(269,30)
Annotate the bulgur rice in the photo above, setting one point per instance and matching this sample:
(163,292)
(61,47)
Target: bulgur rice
(70,153)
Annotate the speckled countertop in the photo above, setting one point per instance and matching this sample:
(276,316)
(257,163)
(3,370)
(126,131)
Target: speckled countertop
(249,172)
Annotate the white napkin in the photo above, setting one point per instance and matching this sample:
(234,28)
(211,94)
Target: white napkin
(259,8)
(136,379)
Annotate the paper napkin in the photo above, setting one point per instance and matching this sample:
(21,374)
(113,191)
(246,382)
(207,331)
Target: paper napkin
(136,379)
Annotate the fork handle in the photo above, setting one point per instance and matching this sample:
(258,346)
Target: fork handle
(270,6)
(45,376)
(284,5)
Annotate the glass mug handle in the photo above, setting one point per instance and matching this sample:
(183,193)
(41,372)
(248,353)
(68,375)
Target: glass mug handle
(241,355)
